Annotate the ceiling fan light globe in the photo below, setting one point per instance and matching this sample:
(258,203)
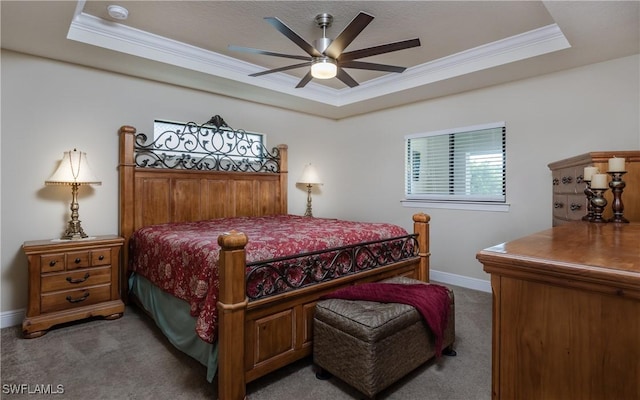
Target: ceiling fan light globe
(324,68)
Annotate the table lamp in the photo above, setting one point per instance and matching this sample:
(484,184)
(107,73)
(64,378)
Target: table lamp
(309,177)
(74,171)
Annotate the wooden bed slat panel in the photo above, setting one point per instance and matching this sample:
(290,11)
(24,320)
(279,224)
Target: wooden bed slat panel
(186,200)
(269,198)
(157,208)
(243,194)
(216,198)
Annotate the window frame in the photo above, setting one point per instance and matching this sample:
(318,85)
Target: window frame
(456,201)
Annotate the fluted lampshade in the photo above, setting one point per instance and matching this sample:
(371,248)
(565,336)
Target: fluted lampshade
(309,176)
(73,170)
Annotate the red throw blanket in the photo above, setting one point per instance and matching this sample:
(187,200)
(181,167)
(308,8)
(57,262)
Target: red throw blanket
(432,301)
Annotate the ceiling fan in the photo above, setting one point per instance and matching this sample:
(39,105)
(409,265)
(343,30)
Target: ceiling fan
(326,57)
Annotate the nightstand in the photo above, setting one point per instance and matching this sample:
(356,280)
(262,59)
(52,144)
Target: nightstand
(71,280)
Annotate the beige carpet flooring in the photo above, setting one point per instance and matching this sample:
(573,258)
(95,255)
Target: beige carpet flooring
(129,358)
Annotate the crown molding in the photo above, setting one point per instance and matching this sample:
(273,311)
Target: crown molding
(95,31)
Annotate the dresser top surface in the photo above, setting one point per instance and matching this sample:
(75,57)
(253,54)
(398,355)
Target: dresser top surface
(614,247)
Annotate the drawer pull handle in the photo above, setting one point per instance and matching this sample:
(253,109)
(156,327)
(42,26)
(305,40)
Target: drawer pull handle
(77,260)
(71,280)
(79,299)
(575,207)
(579,179)
(101,258)
(567,180)
(556,181)
(558,205)
(52,263)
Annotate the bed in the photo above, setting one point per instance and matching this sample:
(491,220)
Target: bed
(262,304)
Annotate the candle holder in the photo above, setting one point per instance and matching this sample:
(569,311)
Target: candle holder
(617,186)
(589,193)
(598,203)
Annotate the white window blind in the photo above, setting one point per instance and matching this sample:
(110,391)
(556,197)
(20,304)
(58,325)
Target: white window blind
(462,164)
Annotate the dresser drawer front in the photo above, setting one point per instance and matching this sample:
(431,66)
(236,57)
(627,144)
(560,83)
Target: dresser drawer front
(78,259)
(75,280)
(68,299)
(560,205)
(576,207)
(52,262)
(100,257)
(568,180)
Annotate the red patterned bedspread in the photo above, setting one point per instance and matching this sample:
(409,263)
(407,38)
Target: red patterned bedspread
(178,257)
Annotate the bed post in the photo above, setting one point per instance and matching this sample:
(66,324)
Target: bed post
(284,177)
(232,306)
(126,169)
(421,227)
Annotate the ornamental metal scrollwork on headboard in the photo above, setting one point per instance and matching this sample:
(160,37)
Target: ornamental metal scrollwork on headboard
(212,146)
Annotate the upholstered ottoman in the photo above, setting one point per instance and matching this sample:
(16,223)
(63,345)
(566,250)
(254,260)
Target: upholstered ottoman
(371,345)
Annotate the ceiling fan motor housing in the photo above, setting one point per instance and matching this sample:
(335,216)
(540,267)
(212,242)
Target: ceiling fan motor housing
(322,44)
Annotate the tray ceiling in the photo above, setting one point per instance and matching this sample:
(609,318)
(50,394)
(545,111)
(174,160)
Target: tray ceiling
(465,45)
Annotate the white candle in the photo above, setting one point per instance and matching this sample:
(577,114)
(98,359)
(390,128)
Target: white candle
(616,164)
(599,181)
(588,173)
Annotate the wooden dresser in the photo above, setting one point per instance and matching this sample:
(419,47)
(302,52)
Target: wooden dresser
(569,200)
(71,280)
(566,313)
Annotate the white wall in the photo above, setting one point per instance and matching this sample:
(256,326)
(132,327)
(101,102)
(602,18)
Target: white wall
(49,107)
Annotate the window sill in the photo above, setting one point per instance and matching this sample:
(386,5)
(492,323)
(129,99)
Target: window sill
(457,205)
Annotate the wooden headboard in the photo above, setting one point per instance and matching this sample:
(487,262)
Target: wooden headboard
(154,194)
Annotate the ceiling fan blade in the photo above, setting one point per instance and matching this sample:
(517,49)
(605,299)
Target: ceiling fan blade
(349,33)
(371,66)
(382,49)
(294,37)
(304,80)
(288,67)
(346,78)
(267,53)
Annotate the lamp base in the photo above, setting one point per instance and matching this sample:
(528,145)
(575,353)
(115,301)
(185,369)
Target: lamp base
(308,212)
(74,231)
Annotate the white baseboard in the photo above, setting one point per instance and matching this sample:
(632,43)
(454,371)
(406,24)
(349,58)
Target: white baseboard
(460,280)
(11,318)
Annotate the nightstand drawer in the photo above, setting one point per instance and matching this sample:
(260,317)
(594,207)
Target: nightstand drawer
(75,280)
(67,299)
(100,257)
(52,262)
(78,259)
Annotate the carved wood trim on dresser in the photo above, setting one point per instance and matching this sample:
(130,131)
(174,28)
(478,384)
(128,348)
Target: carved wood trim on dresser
(569,200)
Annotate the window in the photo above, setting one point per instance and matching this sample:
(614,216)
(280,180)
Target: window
(180,137)
(465,165)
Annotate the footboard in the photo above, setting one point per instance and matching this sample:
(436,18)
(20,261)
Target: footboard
(260,336)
